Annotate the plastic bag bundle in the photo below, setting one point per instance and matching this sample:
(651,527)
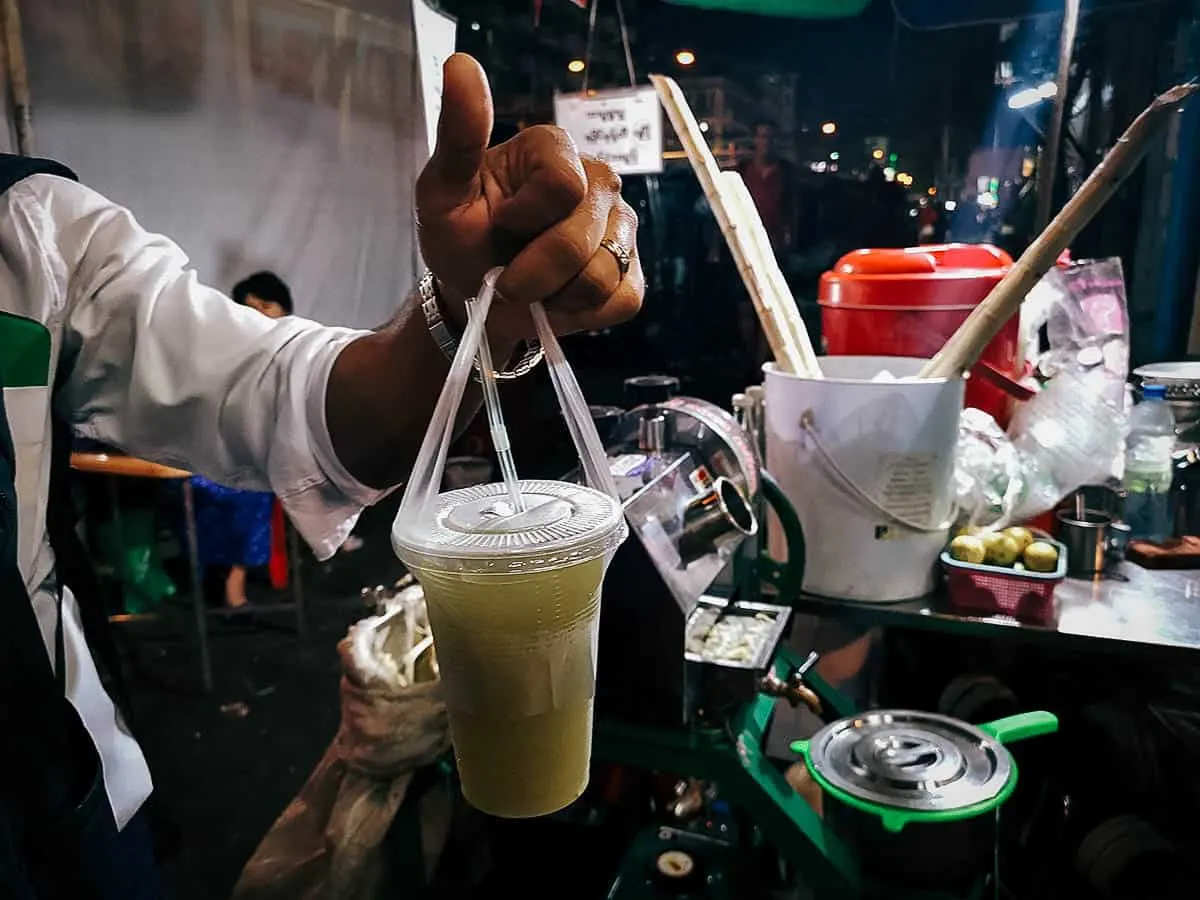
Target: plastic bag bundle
(1069,435)
(1084,311)
(329,841)
(987,472)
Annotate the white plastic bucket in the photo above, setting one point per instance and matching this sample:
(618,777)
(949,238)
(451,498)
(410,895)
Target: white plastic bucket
(869,466)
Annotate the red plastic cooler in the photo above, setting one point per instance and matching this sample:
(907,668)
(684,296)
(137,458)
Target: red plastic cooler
(907,302)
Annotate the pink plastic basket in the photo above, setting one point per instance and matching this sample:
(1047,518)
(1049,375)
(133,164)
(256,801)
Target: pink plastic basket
(1028,596)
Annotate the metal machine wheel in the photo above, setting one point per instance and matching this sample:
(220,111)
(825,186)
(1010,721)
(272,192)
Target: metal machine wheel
(1124,857)
(978,698)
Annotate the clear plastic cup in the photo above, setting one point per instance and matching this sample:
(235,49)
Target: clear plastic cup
(514,603)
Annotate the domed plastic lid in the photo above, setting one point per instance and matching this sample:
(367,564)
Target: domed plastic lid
(476,529)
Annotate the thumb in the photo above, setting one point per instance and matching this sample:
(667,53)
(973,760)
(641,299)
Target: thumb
(464,128)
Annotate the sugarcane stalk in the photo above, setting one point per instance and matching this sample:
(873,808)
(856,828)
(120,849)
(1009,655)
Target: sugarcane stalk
(967,344)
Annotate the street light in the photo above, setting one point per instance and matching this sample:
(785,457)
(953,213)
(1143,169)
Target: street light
(876,153)
(576,66)
(685,57)
(1023,99)
(829,128)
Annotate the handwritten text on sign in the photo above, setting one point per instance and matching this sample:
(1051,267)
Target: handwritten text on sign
(624,128)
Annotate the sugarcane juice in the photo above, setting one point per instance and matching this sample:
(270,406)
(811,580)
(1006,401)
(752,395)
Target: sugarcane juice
(517,657)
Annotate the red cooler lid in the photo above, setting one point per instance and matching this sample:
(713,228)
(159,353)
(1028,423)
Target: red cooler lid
(933,275)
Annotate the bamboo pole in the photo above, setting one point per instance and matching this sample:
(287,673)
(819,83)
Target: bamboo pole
(18,77)
(965,346)
(739,221)
(1048,172)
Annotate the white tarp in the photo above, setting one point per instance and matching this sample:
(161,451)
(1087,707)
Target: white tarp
(276,134)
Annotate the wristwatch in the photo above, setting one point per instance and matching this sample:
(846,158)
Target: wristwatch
(447,341)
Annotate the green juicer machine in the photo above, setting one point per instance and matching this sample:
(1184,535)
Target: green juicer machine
(692,666)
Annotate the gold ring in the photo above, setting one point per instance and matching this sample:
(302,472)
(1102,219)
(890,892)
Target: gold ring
(620,254)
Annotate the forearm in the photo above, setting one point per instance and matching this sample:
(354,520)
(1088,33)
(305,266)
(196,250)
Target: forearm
(381,393)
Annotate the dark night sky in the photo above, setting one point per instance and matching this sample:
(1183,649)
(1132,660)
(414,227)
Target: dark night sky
(872,73)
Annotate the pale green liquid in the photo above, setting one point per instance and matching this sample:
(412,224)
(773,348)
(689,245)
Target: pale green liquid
(516,653)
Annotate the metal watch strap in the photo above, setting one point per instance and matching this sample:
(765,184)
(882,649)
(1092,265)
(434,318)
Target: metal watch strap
(434,320)
(448,341)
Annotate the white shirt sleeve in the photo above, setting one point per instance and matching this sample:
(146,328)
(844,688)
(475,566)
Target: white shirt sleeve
(169,370)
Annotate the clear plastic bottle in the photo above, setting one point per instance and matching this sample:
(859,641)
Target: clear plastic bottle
(1148,466)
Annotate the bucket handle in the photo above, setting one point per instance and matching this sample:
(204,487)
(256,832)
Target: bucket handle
(1011,386)
(808,426)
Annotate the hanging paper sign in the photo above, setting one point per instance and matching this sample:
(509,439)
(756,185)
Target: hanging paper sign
(622,127)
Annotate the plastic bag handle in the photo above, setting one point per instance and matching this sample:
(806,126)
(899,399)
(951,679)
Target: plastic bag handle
(575,409)
(425,481)
(426,478)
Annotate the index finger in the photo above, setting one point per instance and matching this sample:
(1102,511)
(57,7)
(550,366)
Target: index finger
(556,256)
(559,253)
(545,181)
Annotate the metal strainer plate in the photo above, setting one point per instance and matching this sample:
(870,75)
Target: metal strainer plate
(904,759)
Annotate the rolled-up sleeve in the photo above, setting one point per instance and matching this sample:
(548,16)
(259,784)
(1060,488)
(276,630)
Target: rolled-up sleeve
(170,370)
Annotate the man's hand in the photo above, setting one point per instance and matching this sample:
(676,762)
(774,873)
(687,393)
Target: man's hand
(530,204)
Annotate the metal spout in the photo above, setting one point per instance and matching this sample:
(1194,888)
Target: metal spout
(793,689)
(722,511)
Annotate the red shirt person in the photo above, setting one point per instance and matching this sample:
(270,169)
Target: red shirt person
(772,184)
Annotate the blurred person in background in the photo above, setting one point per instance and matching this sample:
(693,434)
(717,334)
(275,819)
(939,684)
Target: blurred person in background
(265,292)
(774,186)
(233,527)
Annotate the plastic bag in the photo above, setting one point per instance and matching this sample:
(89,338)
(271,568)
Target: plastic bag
(129,545)
(1069,435)
(329,841)
(987,472)
(1087,323)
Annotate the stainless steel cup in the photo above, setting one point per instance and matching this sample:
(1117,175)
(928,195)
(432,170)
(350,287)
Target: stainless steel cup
(1091,540)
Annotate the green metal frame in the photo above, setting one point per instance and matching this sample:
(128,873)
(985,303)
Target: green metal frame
(734,760)
(748,780)
(785,578)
